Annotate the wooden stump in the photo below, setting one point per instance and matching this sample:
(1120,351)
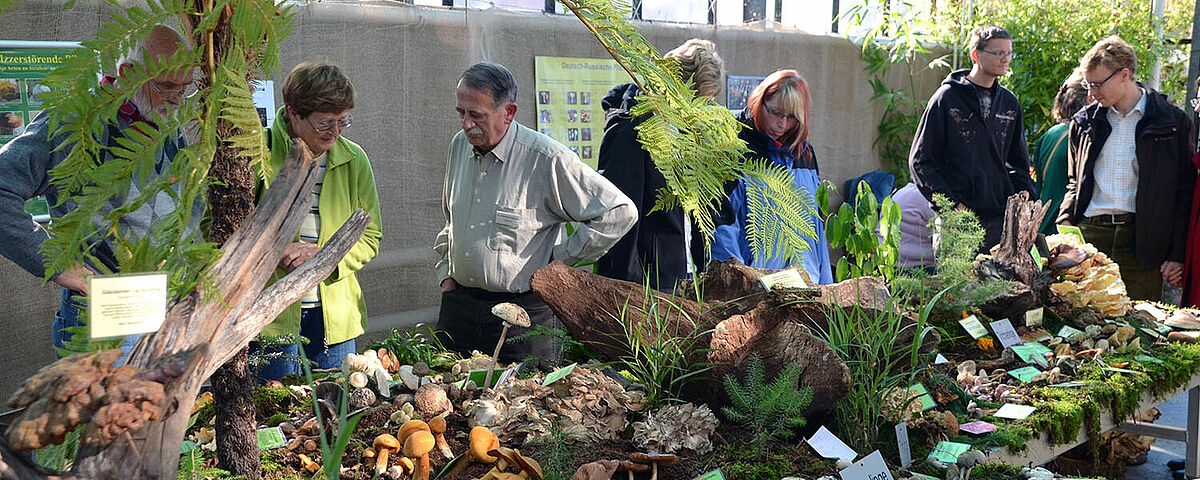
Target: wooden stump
(1022,219)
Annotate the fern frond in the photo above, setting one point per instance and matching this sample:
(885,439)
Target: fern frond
(780,216)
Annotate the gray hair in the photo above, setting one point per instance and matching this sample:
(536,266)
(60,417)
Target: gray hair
(494,78)
(159,37)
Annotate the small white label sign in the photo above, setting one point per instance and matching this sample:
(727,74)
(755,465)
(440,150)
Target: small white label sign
(939,359)
(871,467)
(974,327)
(786,279)
(1033,318)
(829,445)
(1006,333)
(1014,411)
(902,444)
(126,304)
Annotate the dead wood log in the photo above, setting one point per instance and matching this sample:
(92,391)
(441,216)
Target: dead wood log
(1022,219)
(737,319)
(208,330)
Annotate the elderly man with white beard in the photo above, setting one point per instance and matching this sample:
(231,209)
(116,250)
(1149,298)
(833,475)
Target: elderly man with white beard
(27,160)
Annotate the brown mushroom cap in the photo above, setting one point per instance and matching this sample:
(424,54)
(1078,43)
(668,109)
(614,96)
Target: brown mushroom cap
(528,465)
(409,428)
(481,440)
(418,444)
(630,466)
(508,455)
(508,476)
(663,459)
(406,464)
(437,425)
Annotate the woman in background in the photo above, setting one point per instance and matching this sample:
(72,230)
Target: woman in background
(777,121)
(1050,151)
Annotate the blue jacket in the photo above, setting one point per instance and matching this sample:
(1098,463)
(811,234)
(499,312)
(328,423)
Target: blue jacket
(731,241)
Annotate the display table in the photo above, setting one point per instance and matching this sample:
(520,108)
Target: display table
(1039,450)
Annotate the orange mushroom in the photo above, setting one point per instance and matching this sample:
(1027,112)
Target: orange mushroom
(384,444)
(418,446)
(437,426)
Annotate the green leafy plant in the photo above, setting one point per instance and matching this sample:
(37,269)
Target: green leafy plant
(868,342)
(191,467)
(869,233)
(663,341)
(557,453)
(772,411)
(779,214)
(417,345)
(332,451)
(692,141)
(267,351)
(573,351)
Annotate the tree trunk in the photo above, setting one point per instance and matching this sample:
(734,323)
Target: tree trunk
(206,332)
(737,319)
(231,201)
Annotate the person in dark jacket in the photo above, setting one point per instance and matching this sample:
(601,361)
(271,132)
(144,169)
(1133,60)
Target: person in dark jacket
(777,122)
(970,144)
(657,247)
(1129,175)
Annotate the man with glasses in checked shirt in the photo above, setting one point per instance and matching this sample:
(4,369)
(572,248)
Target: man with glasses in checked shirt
(27,160)
(1129,174)
(970,144)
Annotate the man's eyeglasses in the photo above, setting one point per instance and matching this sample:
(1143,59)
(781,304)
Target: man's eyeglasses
(1195,102)
(188,90)
(1001,55)
(1095,86)
(326,127)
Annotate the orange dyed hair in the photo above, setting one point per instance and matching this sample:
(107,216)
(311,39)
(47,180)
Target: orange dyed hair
(795,99)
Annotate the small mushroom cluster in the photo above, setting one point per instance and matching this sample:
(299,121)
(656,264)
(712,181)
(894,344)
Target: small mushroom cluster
(1090,278)
(675,428)
(304,437)
(86,388)
(989,387)
(588,404)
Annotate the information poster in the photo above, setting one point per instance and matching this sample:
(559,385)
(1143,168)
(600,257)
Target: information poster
(738,88)
(568,92)
(23,65)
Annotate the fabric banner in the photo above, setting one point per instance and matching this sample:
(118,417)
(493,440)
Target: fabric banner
(22,67)
(568,92)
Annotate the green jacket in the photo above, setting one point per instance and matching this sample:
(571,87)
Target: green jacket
(349,185)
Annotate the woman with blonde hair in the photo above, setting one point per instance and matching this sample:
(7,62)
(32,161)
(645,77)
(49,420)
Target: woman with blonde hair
(777,123)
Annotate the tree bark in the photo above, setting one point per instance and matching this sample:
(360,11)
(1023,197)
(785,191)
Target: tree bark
(213,329)
(737,319)
(231,202)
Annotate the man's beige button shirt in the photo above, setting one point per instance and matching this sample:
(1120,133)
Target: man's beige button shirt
(505,211)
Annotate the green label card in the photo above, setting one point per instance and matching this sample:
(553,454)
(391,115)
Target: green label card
(271,437)
(1024,374)
(923,396)
(1073,230)
(1068,331)
(713,475)
(558,375)
(948,452)
(1037,257)
(1027,351)
(1147,359)
(974,327)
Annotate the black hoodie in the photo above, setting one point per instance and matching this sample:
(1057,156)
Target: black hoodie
(976,161)
(655,244)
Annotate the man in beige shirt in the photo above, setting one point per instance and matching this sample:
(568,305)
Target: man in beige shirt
(508,193)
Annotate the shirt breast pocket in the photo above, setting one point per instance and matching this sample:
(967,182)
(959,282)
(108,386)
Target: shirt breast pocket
(508,224)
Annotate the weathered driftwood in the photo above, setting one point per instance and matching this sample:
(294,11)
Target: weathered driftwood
(738,319)
(209,331)
(1012,260)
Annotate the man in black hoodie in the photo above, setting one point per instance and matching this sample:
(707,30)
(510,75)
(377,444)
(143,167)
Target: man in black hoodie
(970,144)
(1129,172)
(662,246)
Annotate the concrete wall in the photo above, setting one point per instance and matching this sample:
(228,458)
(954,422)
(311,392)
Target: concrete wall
(404,62)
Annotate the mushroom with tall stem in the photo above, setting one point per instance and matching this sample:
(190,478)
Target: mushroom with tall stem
(511,314)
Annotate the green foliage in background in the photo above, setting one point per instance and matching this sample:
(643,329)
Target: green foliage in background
(417,345)
(771,411)
(1049,36)
(81,110)
(869,233)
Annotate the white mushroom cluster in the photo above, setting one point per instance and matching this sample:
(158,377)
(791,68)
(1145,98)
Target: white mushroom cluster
(675,428)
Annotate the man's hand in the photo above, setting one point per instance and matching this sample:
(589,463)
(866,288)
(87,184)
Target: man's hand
(75,278)
(296,254)
(448,285)
(1172,272)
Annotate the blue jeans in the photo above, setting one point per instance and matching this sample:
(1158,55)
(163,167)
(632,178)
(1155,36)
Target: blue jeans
(312,327)
(68,316)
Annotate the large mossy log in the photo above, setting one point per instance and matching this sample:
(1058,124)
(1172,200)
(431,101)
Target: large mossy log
(737,319)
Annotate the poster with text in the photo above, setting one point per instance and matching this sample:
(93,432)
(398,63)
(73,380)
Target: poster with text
(23,65)
(738,88)
(567,98)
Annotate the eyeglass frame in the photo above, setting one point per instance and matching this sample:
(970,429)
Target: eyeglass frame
(342,124)
(1194,102)
(1089,86)
(1001,55)
(162,92)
